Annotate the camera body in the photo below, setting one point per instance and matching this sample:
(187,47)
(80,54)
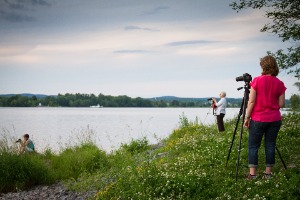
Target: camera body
(19,140)
(209,99)
(246,78)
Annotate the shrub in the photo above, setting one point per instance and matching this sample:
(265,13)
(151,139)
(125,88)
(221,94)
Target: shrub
(75,160)
(18,172)
(136,146)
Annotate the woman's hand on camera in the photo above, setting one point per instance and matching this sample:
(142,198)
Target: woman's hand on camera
(214,100)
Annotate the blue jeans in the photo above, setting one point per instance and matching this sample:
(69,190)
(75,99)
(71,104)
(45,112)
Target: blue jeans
(256,132)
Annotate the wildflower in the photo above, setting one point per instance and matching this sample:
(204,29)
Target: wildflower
(258,183)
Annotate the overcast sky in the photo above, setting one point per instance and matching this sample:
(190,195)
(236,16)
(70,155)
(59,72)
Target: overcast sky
(146,48)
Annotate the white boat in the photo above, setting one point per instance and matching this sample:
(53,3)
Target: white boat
(97,106)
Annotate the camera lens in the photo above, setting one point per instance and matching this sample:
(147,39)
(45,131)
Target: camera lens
(239,78)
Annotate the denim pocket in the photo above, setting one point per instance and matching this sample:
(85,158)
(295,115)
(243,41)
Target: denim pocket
(256,125)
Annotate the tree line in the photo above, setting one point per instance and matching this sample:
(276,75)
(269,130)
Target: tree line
(73,100)
(87,100)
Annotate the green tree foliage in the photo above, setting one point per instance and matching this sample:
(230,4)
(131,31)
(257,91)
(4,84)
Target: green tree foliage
(75,100)
(295,102)
(297,85)
(285,16)
(87,100)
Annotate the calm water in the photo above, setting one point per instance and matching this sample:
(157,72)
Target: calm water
(109,127)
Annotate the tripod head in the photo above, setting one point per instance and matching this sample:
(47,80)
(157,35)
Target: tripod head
(247,78)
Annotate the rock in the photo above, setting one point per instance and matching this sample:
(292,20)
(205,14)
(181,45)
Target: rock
(157,146)
(163,154)
(53,192)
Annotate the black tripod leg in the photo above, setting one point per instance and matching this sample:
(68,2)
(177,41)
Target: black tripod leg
(239,155)
(233,137)
(245,100)
(281,158)
(235,129)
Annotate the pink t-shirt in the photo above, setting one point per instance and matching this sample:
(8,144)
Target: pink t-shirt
(266,107)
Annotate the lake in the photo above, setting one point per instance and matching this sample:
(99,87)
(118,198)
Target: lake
(109,127)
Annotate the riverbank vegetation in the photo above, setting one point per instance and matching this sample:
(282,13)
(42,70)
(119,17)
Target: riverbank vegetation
(189,164)
(87,100)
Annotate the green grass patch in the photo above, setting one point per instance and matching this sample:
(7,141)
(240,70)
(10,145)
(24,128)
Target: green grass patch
(191,164)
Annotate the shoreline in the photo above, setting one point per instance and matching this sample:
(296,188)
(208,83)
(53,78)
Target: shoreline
(53,191)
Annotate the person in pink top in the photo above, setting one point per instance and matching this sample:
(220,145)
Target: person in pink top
(263,118)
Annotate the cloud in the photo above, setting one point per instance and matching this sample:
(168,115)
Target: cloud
(129,28)
(14,17)
(131,51)
(25,4)
(190,42)
(40,2)
(14,6)
(16,10)
(155,11)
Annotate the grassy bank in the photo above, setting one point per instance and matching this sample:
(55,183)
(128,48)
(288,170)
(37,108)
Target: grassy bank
(190,164)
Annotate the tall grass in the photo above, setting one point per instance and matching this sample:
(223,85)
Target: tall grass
(73,161)
(190,165)
(21,171)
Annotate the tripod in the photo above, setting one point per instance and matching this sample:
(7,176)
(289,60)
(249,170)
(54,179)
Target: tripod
(210,101)
(242,113)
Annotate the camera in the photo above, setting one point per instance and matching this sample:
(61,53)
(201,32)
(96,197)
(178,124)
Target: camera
(19,140)
(210,99)
(246,78)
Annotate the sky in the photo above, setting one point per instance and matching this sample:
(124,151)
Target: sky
(138,48)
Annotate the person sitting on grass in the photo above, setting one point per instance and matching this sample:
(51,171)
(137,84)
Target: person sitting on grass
(26,145)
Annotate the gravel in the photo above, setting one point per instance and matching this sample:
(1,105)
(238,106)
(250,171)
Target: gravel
(56,191)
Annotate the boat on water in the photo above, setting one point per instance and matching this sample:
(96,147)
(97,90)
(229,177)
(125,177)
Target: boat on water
(97,106)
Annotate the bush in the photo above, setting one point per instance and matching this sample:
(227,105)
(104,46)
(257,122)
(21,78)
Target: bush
(18,172)
(75,160)
(295,102)
(136,146)
(22,171)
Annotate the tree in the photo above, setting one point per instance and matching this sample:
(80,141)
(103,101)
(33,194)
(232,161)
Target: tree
(295,102)
(285,16)
(297,85)
(175,103)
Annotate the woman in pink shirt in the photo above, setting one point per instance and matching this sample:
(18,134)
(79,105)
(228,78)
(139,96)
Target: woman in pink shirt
(263,117)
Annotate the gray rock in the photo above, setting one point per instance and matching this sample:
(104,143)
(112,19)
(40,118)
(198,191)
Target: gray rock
(53,192)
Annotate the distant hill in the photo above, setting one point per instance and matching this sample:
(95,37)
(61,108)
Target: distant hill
(164,98)
(172,98)
(39,96)
(86,100)
(188,99)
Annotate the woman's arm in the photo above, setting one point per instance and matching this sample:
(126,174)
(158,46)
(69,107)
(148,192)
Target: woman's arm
(26,143)
(281,100)
(251,102)
(218,103)
(214,100)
